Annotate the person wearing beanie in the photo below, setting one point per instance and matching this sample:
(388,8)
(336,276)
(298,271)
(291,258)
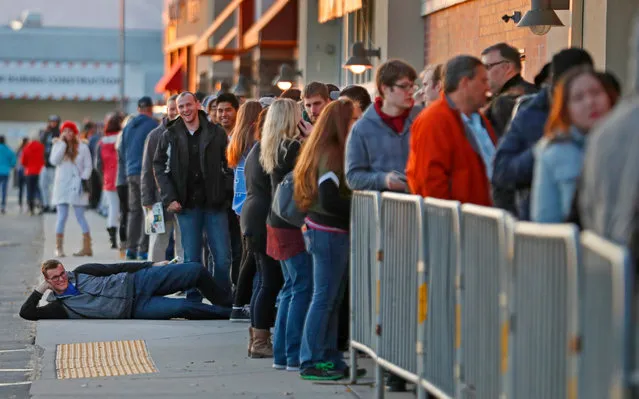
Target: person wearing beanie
(73,166)
(514,161)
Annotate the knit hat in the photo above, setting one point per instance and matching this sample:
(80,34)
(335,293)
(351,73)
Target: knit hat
(266,101)
(568,58)
(69,125)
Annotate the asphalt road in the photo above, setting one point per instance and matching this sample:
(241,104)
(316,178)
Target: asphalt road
(21,241)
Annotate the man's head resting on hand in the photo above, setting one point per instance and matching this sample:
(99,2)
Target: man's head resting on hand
(55,276)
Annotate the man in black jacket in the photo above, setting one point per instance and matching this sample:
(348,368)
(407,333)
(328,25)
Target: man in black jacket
(133,290)
(195,183)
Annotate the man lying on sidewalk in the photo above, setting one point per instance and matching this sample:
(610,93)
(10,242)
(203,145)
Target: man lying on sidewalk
(133,290)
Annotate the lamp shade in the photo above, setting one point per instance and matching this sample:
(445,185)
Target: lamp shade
(359,62)
(242,88)
(540,19)
(287,76)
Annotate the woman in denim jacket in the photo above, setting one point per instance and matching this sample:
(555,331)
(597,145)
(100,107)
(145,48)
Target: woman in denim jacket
(581,99)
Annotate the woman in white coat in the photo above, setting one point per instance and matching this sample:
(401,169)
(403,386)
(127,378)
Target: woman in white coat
(72,160)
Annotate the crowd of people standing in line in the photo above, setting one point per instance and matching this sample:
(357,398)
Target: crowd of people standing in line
(216,165)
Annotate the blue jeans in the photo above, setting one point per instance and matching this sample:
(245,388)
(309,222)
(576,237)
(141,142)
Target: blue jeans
(63,214)
(3,191)
(215,224)
(152,283)
(295,297)
(330,265)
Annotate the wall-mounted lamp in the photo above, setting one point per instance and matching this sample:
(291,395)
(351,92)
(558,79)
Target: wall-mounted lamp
(360,61)
(540,18)
(243,86)
(516,17)
(287,76)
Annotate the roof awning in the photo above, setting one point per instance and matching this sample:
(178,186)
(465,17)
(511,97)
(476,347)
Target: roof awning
(201,47)
(252,36)
(173,80)
(331,9)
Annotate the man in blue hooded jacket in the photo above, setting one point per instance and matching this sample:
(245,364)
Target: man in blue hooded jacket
(514,160)
(130,153)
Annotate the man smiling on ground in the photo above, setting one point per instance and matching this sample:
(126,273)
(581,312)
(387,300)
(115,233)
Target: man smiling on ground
(133,290)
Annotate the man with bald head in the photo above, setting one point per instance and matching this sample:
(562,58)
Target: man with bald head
(194,181)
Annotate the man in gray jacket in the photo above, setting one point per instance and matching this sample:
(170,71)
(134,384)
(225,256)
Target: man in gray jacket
(151,194)
(133,290)
(377,147)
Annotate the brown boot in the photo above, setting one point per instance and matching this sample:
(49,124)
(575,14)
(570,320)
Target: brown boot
(251,339)
(86,246)
(262,346)
(59,242)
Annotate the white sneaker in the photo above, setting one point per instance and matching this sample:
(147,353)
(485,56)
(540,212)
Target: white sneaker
(278,367)
(291,368)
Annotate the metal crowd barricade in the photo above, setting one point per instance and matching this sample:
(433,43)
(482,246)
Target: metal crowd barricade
(482,290)
(443,254)
(365,236)
(402,269)
(543,330)
(604,312)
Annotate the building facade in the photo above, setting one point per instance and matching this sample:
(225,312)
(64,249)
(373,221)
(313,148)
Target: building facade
(72,72)
(210,42)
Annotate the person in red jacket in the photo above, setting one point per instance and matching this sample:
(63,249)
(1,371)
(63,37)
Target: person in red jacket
(106,163)
(452,145)
(32,159)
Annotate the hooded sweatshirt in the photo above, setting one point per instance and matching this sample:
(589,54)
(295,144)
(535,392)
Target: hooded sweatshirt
(131,149)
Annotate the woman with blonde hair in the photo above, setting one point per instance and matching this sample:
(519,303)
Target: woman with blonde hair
(321,191)
(72,160)
(580,100)
(243,138)
(281,143)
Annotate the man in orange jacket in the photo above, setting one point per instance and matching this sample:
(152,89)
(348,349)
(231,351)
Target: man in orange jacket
(452,144)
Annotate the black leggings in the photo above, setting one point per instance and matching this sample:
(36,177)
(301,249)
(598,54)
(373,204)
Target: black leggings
(237,247)
(244,286)
(32,190)
(123,195)
(263,311)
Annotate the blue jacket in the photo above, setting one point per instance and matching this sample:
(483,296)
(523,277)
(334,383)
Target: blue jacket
(514,159)
(558,165)
(132,147)
(239,186)
(7,160)
(373,150)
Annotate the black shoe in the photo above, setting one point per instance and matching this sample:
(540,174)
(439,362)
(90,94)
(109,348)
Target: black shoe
(240,315)
(395,384)
(322,372)
(360,373)
(112,238)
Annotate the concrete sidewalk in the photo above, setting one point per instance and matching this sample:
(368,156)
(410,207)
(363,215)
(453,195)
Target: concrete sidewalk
(195,359)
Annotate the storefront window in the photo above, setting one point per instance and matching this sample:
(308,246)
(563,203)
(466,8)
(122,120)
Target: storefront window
(193,10)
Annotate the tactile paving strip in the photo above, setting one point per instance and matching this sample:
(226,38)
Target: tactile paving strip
(103,359)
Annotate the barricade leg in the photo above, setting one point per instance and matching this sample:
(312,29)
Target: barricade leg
(353,376)
(379,381)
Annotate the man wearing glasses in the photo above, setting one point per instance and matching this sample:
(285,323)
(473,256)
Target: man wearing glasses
(503,64)
(133,290)
(377,147)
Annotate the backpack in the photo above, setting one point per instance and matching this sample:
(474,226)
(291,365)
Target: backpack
(284,205)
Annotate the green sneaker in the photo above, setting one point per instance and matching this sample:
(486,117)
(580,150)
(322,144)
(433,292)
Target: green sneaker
(322,372)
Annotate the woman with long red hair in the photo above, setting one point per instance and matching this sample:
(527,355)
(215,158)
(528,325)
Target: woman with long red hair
(580,100)
(321,191)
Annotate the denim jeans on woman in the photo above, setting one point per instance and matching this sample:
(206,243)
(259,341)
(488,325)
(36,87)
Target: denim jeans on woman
(330,266)
(295,297)
(193,224)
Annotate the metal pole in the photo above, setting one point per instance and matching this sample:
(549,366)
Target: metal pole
(122,56)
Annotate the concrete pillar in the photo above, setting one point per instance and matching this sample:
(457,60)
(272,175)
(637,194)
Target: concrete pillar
(607,27)
(319,45)
(399,31)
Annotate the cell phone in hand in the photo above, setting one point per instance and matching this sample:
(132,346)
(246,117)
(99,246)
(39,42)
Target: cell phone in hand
(175,260)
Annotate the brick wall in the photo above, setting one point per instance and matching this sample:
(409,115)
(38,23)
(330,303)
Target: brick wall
(470,27)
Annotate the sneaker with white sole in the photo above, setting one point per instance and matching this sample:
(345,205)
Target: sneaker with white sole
(279,366)
(240,314)
(293,368)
